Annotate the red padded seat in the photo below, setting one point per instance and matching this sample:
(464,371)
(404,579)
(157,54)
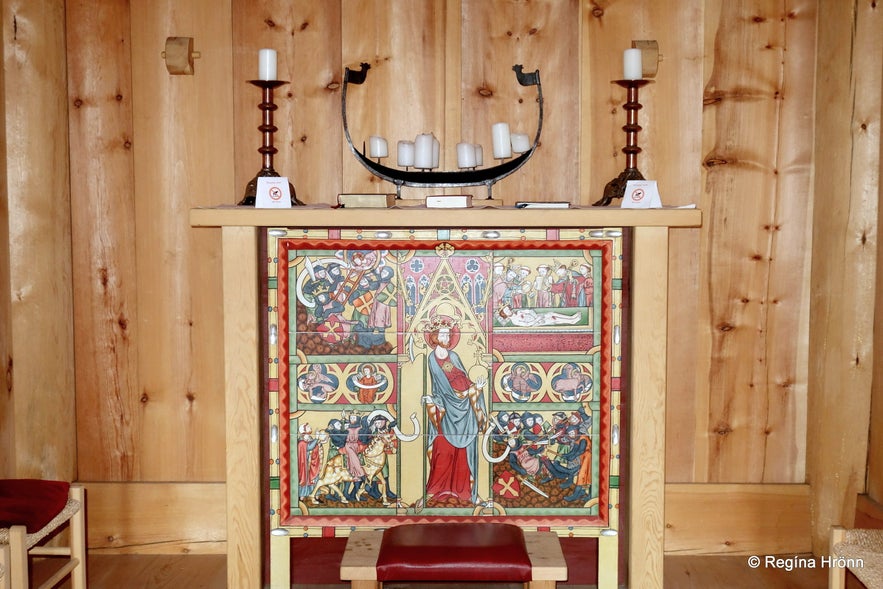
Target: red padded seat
(454,552)
(32,503)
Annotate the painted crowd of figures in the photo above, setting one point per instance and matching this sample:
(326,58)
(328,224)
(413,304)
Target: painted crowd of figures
(557,285)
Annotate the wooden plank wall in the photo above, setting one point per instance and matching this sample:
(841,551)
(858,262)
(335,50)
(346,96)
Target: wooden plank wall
(730,124)
(754,265)
(38,397)
(844,260)
(875,439)
(7,408)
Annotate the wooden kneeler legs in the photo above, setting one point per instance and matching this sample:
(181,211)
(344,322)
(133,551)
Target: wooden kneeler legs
(360,558)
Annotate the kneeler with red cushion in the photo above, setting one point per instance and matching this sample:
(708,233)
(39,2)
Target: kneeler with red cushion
(454,552)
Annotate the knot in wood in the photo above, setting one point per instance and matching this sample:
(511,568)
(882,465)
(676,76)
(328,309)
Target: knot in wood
(715,161)
(723,429)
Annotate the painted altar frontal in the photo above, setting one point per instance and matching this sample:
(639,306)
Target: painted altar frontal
(442,375)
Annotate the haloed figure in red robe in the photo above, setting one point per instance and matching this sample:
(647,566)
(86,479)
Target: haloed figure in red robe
(457,415)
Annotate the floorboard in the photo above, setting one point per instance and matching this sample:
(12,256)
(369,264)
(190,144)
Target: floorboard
(209,572)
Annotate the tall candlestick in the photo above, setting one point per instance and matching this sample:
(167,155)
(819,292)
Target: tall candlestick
(267,64)
(616,187)
(267,149)
(632,68)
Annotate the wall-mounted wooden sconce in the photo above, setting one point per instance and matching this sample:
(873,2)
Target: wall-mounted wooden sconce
(650,57)
(179,55)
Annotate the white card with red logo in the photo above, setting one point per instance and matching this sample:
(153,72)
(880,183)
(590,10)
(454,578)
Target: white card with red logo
(273,193)
(641,194)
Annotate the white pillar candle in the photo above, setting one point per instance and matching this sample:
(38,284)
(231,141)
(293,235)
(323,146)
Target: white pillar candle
(267,64)
(502,144)
(479,155)
(632,69)
(465,155)
(423,151)
(436,152)
(405,152)
(520,142)
(377,146)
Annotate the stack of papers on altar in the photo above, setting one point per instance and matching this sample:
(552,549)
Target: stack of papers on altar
(350,200)
(533,204)
(449,201)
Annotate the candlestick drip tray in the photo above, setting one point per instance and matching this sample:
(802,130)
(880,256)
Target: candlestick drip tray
(443,179)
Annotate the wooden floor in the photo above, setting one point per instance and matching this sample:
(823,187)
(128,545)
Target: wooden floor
(209,572)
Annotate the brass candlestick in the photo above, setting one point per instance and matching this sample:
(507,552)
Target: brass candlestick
(267,149)
(616,187)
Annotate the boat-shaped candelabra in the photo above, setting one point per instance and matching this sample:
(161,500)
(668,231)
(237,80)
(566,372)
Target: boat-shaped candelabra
(443,179)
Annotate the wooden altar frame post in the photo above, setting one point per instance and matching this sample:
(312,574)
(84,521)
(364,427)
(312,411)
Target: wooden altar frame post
(242,408)
(649,317)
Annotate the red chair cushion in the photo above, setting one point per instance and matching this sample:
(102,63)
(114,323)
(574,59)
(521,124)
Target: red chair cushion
(31,502)
(454,552)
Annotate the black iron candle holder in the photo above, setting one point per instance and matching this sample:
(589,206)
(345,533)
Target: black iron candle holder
(267,149)
(423,178)
(616,187)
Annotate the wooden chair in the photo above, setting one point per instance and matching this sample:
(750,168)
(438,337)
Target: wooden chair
(860,551)
(31,511)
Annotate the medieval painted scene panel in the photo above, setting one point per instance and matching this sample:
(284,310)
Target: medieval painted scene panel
(435,376)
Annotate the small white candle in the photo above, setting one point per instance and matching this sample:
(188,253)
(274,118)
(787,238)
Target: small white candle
(632,69)
(479,155)
(267,64)
(502,143)
(405,152)
(436,152)
(520,142)
(465,155)
(423,151)
(377,146)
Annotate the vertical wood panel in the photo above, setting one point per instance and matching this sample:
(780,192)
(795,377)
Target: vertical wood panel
(306,35)
(40,344)
(787,296)
(611,26)
(672,155)
(183,159)
(752,228)
(875,438)
(102,223)
(540,36)
(404,95)
(7,408)
(844,260)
